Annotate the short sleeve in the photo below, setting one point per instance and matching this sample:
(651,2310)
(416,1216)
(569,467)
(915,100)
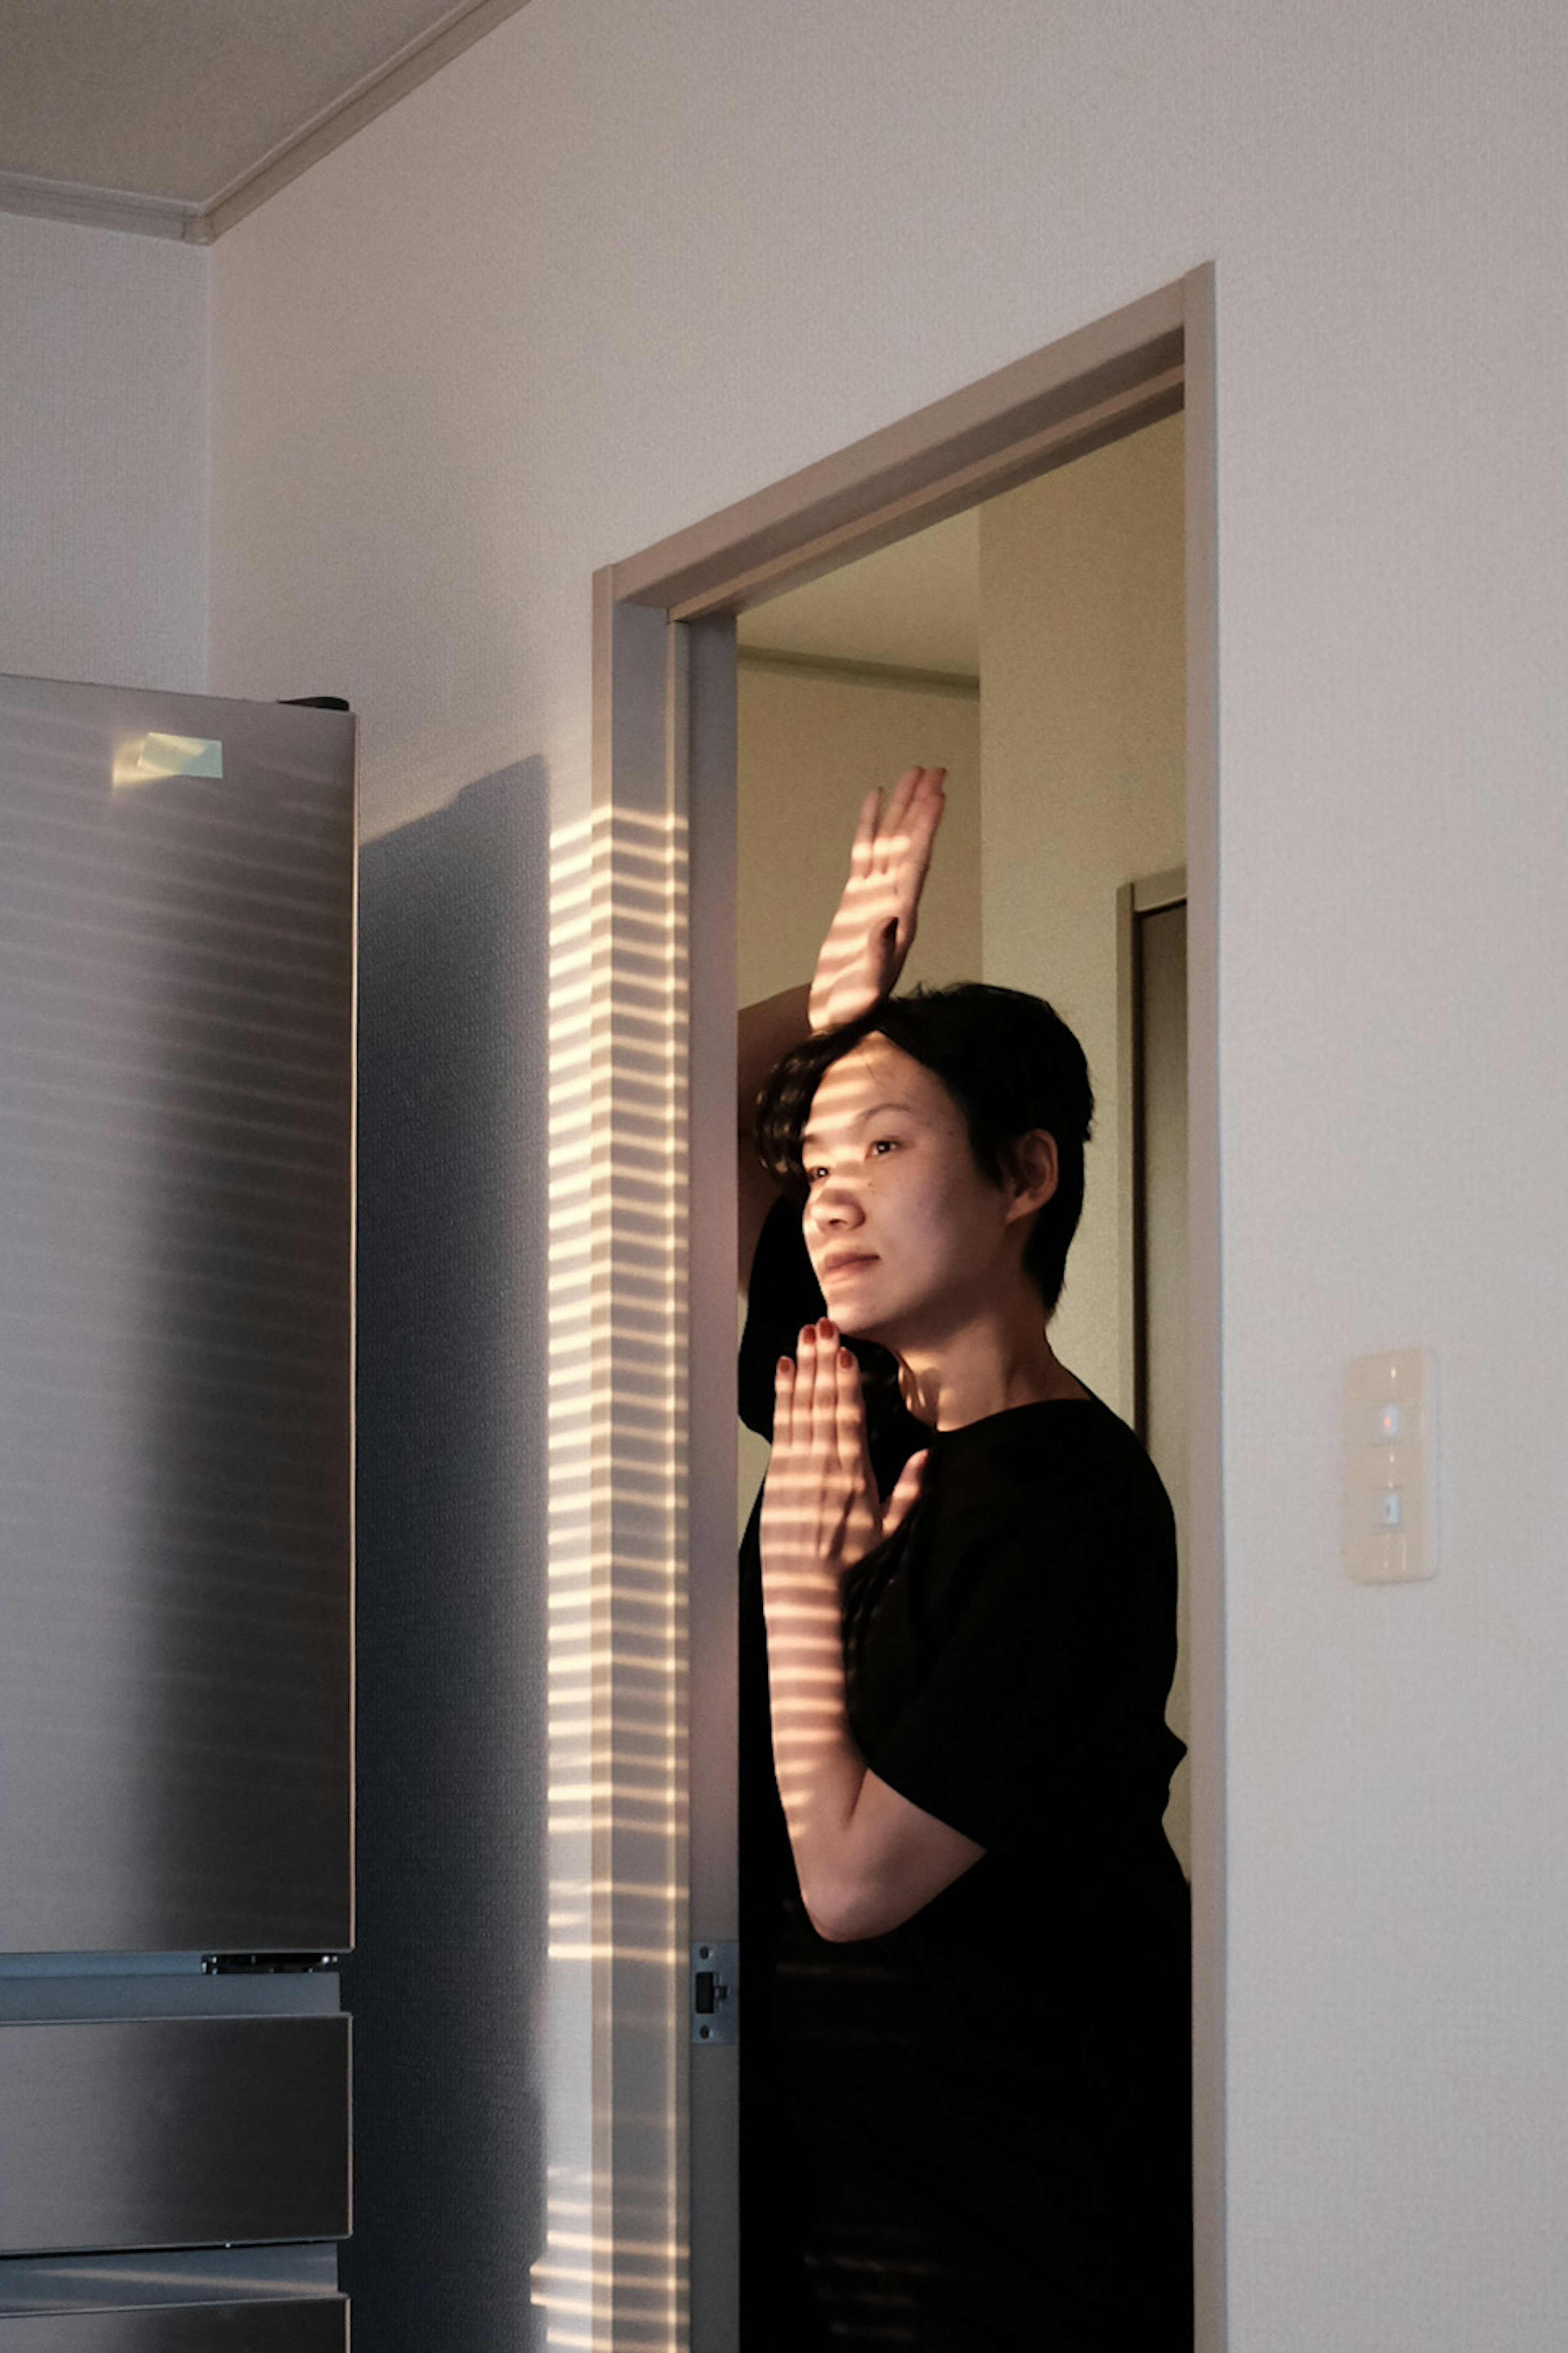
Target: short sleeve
(784,1294)
(1039,1731)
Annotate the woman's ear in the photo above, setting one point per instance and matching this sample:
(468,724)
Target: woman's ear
(1035,1174)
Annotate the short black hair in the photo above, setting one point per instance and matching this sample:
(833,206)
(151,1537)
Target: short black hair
(1010,1063)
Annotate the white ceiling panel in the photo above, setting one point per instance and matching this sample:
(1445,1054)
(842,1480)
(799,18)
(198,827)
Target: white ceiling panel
(915,605)
(186,101)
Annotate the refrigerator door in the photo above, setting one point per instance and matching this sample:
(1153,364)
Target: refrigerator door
(176,1113)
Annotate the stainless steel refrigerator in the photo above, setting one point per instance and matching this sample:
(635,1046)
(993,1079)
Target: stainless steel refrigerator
(176,1235)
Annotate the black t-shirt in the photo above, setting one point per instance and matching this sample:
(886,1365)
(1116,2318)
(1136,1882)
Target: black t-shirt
(972,2134)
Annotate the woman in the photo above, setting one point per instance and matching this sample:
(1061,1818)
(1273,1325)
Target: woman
(965,2104)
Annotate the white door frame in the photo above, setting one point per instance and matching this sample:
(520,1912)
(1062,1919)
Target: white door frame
(642,1675)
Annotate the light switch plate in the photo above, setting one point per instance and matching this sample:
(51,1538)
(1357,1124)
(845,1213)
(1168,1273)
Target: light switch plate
(1391,1481)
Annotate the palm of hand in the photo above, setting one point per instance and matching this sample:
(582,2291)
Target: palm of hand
(874,924)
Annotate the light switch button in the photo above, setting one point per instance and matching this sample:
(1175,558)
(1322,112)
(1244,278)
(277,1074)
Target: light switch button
(1390,1468)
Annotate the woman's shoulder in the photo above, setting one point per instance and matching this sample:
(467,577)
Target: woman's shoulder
(1069,1467)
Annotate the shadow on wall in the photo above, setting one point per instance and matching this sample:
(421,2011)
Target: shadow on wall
(447,1976)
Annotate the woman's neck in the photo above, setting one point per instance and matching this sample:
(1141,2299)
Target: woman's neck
(989,1367)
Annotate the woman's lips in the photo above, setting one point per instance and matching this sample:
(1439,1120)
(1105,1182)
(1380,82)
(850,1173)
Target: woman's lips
(846,1262)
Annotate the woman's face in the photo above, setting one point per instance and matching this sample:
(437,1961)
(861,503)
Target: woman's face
(907,1236)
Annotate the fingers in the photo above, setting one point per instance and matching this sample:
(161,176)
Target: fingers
(806,1390)
(869,937)
(899,800)
(805,1386)
(914,864)
(901,851)
(820,1349)
(821,1500)
(892,833)
(925,816)
(904,1495)
(783,1403)
(907,859)
(910,800)
(849,1416)
(865,829)
(819,1392)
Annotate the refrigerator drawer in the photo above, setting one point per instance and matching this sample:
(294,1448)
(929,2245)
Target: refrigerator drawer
(249,2328)
(177,2132)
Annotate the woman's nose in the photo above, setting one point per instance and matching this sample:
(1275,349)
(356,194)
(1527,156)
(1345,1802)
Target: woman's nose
(835,1203)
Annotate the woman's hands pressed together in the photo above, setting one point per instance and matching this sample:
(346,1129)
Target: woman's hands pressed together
(867,1858)
(821,1512)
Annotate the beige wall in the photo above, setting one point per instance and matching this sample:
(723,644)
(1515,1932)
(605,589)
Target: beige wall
(1082,720)
(811,744)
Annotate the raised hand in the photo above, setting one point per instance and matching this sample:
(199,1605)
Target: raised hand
(874,926)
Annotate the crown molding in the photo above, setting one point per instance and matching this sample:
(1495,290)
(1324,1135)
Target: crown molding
(402,73)
(67,200)
(199,224)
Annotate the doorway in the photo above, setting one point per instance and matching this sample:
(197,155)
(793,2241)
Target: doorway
(1032,646)
(643,1466)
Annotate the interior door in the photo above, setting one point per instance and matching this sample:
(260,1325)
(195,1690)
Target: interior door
(1160,1277)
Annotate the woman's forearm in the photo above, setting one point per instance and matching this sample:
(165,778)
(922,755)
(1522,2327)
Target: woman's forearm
(866,1858)
(819,1768)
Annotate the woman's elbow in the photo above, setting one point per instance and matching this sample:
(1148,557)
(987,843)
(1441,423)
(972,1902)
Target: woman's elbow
(846,1904)
(847,1915)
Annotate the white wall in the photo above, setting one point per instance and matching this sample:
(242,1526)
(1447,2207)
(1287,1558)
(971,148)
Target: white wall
(1083,736)
(103,456)
(618,266)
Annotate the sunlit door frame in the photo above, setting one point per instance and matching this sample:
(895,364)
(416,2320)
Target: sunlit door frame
(642,1477)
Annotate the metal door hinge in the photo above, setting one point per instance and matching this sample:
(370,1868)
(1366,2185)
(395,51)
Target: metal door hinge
(716,1992)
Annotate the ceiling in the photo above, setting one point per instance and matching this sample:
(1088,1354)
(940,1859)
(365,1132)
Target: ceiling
(914,605)
(177,117)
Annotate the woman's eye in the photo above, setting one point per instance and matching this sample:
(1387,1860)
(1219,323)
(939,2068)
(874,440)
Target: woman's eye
(812,1173)
(885,1144)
